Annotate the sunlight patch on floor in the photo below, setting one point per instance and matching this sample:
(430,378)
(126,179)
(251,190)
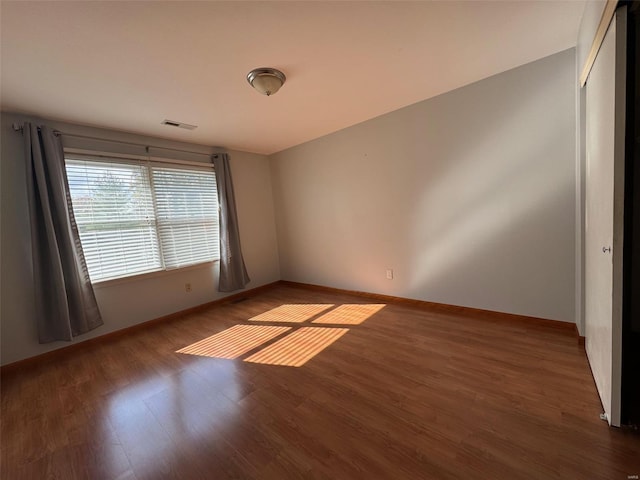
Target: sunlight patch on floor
(292,313)
(297,348)
(234,342)
(349,314)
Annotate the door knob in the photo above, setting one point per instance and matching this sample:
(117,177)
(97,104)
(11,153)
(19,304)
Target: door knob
(606,249)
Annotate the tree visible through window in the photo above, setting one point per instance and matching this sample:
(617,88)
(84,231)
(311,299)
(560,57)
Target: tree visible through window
(135,217)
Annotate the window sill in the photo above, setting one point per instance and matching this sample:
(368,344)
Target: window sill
(99,284)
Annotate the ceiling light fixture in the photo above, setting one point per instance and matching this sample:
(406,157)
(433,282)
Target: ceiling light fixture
(267,81)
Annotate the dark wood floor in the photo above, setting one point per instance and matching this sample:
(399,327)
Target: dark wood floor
(408,394)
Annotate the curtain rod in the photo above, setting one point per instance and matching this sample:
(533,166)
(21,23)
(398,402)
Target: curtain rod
(20,128)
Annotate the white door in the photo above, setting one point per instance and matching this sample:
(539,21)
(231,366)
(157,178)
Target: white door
(600,135)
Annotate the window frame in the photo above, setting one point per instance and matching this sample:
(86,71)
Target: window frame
(147,162)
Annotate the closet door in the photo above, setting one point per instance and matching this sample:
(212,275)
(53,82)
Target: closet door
(600,148)
(604,222)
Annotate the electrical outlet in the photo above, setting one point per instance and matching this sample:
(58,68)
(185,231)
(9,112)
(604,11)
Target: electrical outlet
(389,274)
(187,287)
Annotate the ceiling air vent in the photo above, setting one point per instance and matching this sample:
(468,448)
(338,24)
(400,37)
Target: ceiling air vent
(173,123)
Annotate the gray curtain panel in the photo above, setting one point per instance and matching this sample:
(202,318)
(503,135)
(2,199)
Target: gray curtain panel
(65,303)
(233,273)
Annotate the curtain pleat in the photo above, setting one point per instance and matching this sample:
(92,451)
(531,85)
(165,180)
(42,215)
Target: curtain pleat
(233,273)
(65,302)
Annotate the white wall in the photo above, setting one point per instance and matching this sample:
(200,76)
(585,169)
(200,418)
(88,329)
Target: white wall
(130,301)
(469,197)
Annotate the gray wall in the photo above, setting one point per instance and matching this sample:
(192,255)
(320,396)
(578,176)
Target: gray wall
(129,301)
(469,197)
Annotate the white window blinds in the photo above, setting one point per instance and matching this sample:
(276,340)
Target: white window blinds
(136,217)
(187,215)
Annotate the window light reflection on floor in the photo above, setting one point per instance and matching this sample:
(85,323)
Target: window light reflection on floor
(292,313)
(349,314)
(298,347)
(234,342)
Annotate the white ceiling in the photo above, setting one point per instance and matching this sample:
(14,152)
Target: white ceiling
(129,65)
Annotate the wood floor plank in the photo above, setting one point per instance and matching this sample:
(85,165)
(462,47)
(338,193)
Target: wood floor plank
(408,393)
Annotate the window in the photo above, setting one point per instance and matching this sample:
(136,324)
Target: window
(136,217)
